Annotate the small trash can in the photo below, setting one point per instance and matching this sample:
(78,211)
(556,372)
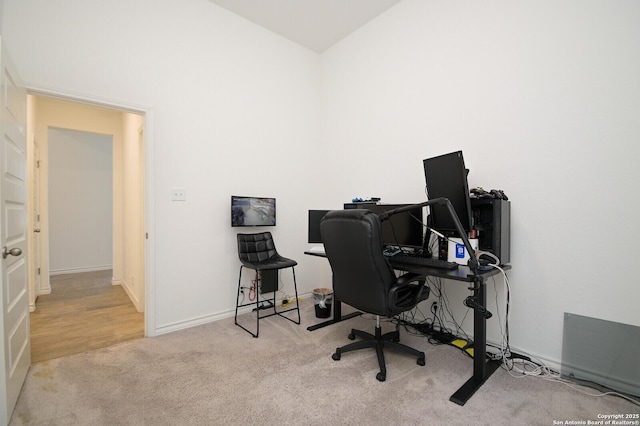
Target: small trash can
(322,298)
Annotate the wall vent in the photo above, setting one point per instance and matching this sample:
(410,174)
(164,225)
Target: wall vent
(603,352)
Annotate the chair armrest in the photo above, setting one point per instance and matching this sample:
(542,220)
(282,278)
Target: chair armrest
(409,277)
(404,295)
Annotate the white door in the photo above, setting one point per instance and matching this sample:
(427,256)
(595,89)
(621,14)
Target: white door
(16,350)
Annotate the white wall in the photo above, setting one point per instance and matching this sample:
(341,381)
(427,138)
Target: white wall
(80,201)
(544,100)
(235,110)
(541,96)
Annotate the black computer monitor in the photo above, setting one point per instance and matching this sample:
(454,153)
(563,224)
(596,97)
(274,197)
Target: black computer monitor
(446,176)
(315,216)
(402,229)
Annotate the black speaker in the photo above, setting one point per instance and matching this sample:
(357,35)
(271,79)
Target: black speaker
(492,220)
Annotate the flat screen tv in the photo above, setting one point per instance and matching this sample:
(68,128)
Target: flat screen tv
(253,211)
(446,176)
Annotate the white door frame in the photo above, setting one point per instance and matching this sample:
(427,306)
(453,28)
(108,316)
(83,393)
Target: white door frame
(34,234)
(149,196)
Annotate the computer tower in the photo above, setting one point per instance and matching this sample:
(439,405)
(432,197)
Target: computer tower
(268,281)
(492,220)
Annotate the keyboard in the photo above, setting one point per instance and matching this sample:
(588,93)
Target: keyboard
(428,262)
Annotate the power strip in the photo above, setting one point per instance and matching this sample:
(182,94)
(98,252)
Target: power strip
(287,302)
(264,305)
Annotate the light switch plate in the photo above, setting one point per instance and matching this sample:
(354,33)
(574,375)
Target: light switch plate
(178,194)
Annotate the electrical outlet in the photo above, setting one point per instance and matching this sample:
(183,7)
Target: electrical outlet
(178,194)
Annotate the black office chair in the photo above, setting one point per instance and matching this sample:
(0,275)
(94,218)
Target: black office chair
(258,252)
(363,278)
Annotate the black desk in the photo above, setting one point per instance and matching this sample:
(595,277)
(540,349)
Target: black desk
(482,369)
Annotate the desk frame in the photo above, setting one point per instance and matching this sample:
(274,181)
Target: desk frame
(482,369)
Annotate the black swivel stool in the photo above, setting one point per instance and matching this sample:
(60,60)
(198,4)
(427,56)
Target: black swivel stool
(257,251)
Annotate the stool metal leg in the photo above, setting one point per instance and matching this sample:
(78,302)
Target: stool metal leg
(295,289)
(297,308)
(273,302)
(238,295)
(238,305)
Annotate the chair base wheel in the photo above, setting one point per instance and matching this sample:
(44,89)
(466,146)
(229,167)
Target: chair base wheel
(380,342)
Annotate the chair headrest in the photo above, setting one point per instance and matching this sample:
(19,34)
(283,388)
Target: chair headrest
(348,214)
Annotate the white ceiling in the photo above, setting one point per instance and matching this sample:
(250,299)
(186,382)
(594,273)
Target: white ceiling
(316,24)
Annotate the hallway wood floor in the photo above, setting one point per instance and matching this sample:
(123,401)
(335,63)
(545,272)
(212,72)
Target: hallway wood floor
(83,312)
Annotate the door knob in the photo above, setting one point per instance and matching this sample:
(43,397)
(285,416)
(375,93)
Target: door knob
(13,252)
(36,230)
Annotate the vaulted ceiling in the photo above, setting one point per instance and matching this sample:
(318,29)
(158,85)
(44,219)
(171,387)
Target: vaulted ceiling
(316,24)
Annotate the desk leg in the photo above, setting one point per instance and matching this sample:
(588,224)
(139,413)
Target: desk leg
(482,369)
(337,316)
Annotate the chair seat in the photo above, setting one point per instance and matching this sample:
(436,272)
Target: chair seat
(276,262)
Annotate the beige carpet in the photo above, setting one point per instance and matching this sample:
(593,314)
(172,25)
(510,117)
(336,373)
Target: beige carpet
(217,374)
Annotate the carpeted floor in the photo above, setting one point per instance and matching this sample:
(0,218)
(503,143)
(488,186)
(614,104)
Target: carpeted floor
(217,374)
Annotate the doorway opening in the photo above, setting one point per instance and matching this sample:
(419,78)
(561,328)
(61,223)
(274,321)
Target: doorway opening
(58,252)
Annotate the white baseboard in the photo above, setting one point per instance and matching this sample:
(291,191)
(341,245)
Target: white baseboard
(205,319)
(551,364)
(134,299)
(193,322)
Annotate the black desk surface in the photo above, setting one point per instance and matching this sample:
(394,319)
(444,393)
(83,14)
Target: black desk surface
(461,273)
